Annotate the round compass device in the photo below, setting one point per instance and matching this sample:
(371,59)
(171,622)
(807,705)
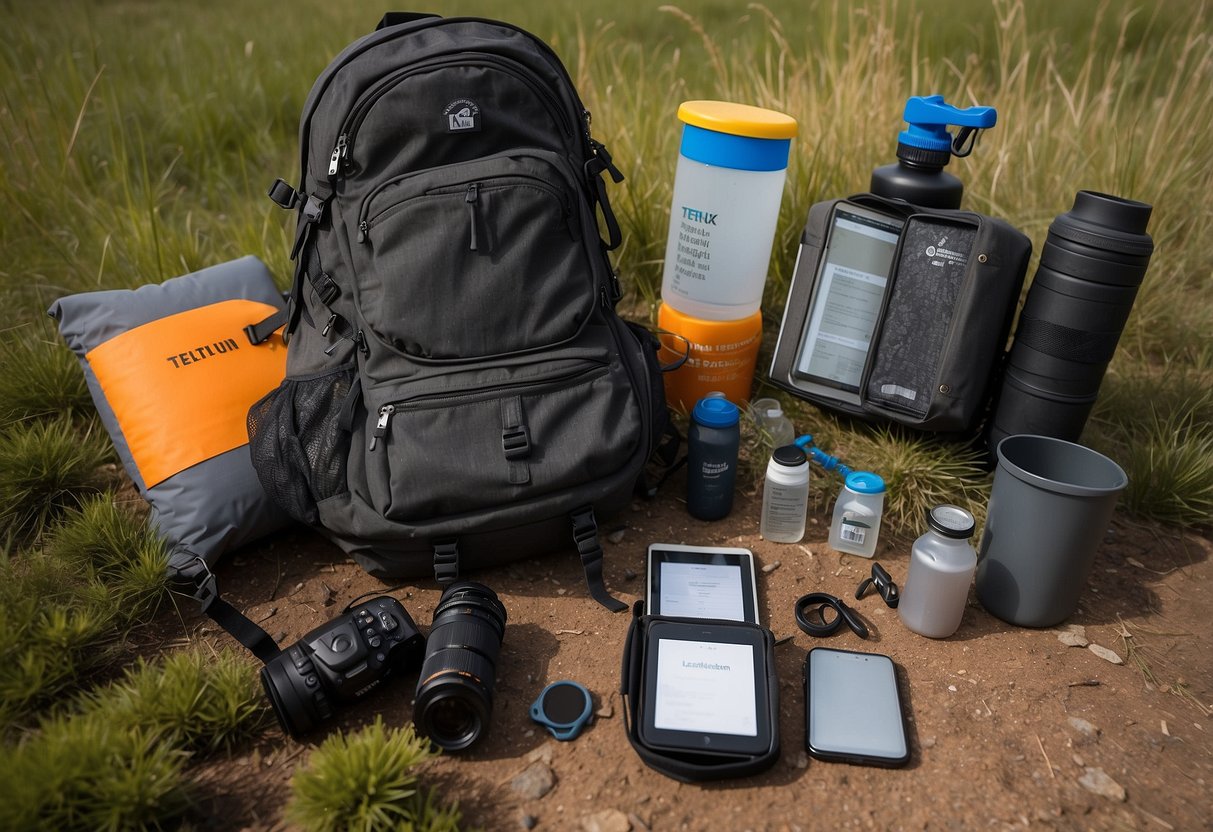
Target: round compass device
(563,708)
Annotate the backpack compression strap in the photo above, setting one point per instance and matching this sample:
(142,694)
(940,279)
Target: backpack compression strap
(198,580)
(585,533)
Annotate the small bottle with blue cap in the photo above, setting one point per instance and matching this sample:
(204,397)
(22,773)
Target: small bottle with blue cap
(925,147)
(857,513)
(712,444)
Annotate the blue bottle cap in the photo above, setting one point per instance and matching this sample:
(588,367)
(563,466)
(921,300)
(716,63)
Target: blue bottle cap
(865,482)
(716,412)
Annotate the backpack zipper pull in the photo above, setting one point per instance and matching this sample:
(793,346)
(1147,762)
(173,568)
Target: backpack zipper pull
(338,155)
(385,416)
(360,341)
(473,194)
(363,228)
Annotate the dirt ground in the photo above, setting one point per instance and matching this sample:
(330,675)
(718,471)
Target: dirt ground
(1009,728)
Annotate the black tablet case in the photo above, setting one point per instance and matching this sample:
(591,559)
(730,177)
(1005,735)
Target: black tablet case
(689,767)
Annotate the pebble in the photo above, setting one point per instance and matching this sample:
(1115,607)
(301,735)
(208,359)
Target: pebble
(534,782)
(561,591)
(606,711)
(629,575)
(617,535)
(1073,636)
(1105,654)
(952,688)
(637,824)
(929,742)
(771,567)
(1083,727)
(802,760)
(1096,780)
(528,821)
(608,820)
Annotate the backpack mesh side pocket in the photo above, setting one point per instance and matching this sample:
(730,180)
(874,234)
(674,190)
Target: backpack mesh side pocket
(298,446)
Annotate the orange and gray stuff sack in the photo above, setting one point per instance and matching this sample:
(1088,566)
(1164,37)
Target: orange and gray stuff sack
(172,374)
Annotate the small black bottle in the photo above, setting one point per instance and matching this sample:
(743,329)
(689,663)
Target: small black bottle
(712,444)
(918,175)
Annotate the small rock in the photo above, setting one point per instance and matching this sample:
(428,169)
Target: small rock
(1083,727)
(929,742)
(629,575)
(280,636)
(1096,780)
(1073,638)
(534,782)
(328,595)
(952,688)
(608,820)
(1079,761)
(606,711)
(771,567)
(637,824)
(543,754)
(617,535)
(1105,654)
(528,821)
(802,760)
(561,591)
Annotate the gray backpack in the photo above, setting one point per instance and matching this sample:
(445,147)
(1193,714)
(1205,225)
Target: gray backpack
(460,391)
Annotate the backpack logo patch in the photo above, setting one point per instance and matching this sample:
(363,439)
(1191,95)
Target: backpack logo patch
(462,116)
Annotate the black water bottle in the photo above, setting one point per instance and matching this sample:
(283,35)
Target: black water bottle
(1091,267)
(712,444)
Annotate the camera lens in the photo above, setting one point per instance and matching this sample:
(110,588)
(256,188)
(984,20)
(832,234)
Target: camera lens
(294,691)
(455,694)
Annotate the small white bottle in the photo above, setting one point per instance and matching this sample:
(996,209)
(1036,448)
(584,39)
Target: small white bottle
(768,415)
(942,563)
(785,496)
(857,512)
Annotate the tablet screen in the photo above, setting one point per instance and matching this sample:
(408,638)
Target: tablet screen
(847,299)
(702,582)
(705,687)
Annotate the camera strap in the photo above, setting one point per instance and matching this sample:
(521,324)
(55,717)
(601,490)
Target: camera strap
(200,584)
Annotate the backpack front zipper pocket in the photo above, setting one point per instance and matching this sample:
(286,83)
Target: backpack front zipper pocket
(494,436)
(496,241)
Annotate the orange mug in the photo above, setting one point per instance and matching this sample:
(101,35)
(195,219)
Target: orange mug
(720,356)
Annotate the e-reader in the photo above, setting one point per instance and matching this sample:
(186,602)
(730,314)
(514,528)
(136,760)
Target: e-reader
(848,292)
(713,582)
(705,688)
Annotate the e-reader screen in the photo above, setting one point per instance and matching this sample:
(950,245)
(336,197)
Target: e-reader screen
(705,689)
(702,582)
(847,297)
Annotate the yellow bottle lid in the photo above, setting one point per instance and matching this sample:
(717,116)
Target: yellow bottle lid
(737,119)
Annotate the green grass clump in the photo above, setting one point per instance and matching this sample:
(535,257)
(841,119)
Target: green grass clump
(1159,429)
(44,466)
(65,607)
(41,377)
(88,774)
(115,758)
(197,701)
(368,781)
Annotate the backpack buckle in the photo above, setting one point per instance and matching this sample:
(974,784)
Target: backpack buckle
(283,195)
(516,442)
(446,561)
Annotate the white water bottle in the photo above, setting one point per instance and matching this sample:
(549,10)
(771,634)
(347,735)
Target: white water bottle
(942,563)
(732,165)
(857,513)
(785,496)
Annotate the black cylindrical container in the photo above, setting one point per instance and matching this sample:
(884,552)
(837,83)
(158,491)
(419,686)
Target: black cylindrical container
(712,445)
(1091,266)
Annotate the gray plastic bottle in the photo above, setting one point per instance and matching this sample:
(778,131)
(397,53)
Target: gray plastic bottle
(712,444)
(942,563)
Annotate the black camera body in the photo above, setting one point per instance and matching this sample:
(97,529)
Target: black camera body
(341,661)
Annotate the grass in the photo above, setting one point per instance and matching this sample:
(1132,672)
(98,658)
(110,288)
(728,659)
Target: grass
(115,759)
(365,781)
(138,149)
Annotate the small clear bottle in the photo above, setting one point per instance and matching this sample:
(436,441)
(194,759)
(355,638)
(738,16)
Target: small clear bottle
(857,512)
(768,415)
(785,496)
(942,563)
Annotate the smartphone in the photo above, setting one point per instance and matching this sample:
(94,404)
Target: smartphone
(853,708)
(848,292)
